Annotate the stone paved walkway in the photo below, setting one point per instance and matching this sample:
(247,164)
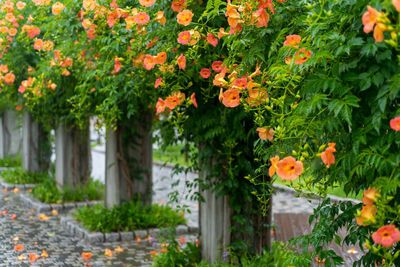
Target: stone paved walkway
(64,250)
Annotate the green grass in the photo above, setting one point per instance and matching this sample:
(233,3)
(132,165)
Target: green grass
(171,154)
(11,161)
(48,192)
(20,176)
(128,216)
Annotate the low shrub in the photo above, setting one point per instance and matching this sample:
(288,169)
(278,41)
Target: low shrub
(20,176)
(127,217)
(189,256)
(11,161)
(49,193)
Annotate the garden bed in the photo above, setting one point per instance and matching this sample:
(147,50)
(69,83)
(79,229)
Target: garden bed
(75,228)
(126,222)
(33,203)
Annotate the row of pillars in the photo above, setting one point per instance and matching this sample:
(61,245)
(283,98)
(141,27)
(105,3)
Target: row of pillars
(123,179)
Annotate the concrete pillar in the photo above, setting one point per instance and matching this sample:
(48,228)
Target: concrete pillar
(214,219)
(10,134)
(36,147)
(73,160)
(129,160)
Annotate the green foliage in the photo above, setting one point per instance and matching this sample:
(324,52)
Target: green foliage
(186,256)
(11,161)
(127,217)
(48,192)
(20,176)
(279,255)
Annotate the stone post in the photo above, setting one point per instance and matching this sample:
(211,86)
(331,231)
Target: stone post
(10,134)
(36,147)
(129,160)
(215,220)
(73,160)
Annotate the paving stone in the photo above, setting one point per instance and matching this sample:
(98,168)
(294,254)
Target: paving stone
(111,237)
(126,236)
(140,233)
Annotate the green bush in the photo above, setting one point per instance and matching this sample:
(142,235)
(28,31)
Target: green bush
(11,161)
(127,217)
(189,256)
(20,176)
(49,193)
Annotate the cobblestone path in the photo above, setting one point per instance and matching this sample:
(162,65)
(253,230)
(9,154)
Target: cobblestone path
(63,250)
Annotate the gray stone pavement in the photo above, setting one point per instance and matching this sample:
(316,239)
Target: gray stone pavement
(65,250)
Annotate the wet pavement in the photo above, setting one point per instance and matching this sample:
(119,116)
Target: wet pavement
(36,234)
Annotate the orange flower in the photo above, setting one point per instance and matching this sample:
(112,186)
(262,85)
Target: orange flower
(327,156)
(182,240)
(394,123)
(153,253)
(369,19)
(44,254)
(147,3)
(367,215)
(378,32)
(219,80)
(4,69)
(18,247)
(21,257)
(370,196)
(273,167)
(262,17)
(33,257)
(89,4)
(212,40)
(222,33)
(108,253)
(396,4)
(148,62)
(292,40)
(184,17)
(160,17)
(12,31)
(9,78)
(177,5)
(86,255)
(160,106)
(386,235)
(57,8)
(20,5)
(184,37)
(172,101)
(160,58)
(205,73)
(266,133)
(231,98)
(181,62)
(142,18)
(302,56)
(257,96)
(48,45)
(193,99)
(38,44)
(119,249)
(289,169)
(232,14)
(217,66)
